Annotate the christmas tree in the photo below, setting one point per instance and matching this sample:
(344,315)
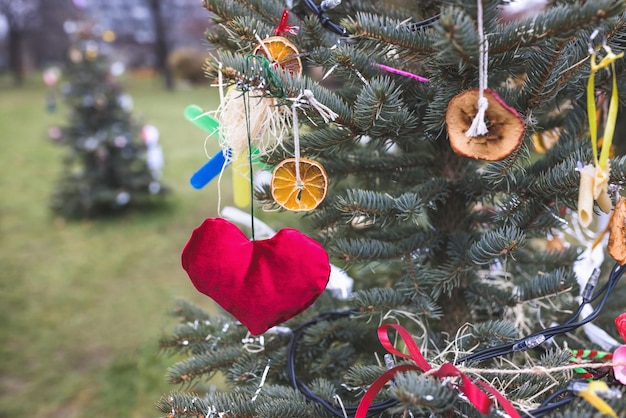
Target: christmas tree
(456,138)
(112,162)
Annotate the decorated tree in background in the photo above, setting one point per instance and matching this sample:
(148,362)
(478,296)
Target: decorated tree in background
(112,162)
(462,144)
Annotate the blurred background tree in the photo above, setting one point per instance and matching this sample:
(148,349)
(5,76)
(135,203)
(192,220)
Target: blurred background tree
(108,166)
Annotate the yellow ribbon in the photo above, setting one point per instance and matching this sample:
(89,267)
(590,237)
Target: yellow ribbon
(609,128)
(590,394)
(594,180)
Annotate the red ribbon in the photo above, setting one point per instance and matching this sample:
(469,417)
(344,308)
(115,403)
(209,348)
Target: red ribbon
(478,398)
(283,27)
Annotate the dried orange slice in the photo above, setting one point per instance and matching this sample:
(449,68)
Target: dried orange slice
(299,197)
(282,53)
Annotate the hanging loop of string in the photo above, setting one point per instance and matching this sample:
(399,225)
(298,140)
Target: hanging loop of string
(479,126)
(246,105)
(306,97)
(296,143)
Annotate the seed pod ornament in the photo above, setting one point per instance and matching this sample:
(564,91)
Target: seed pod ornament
(617,236)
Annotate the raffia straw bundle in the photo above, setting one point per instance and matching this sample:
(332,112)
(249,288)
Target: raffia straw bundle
(269,123)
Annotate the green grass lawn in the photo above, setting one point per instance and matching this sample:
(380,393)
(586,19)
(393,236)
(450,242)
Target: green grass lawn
(83,304)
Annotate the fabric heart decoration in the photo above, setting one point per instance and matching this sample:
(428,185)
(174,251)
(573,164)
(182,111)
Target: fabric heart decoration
(620,324)
(262,283)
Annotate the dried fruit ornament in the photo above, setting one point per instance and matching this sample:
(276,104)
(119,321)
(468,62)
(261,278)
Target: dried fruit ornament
(281,53)
(480,124)
(303,194)
(300,184)
(617,236)
(505,126)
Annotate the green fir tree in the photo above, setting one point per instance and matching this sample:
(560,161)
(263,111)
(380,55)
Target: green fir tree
(111,164)
(467,254)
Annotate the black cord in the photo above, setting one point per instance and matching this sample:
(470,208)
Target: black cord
(304,389)
(546,409)
(326,22)
(569,325)
(503,349)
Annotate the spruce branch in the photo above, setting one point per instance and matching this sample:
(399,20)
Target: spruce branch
(359,376)
(379,300)
(447,277)
(422,394)
(556,23)
(496,244)
(380,111)
(203,365)
(547,260)
(394,35)
(315,38)
(351,250)
(403,169)
(546,284)
(457,43)
(486,334)
(184,405)
(189,312)
(503,176)
(618,170)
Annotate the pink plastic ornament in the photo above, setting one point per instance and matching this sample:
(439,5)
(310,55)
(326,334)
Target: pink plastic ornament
(51,76)
(54,133)
(619,357)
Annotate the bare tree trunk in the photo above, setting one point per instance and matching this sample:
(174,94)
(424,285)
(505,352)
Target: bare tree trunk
(16,55)
(160,46)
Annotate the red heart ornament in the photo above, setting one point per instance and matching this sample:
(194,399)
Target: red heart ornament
(620,324)
(262,283)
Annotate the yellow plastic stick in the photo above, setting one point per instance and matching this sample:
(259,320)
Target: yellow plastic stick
(592,397)
(241,180)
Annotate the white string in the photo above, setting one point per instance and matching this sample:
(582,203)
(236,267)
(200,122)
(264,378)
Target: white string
(296,142)
(343,408)
(325,112)
(263,46)
(219,187)
(306,97)
(220,82)
(479,127)
(258,391)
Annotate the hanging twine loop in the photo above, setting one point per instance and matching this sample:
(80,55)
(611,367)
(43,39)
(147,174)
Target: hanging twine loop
(479,126)
(296,143)
(306,98)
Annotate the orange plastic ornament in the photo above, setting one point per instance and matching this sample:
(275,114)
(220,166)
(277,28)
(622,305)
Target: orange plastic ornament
(281,53)
(303,195)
